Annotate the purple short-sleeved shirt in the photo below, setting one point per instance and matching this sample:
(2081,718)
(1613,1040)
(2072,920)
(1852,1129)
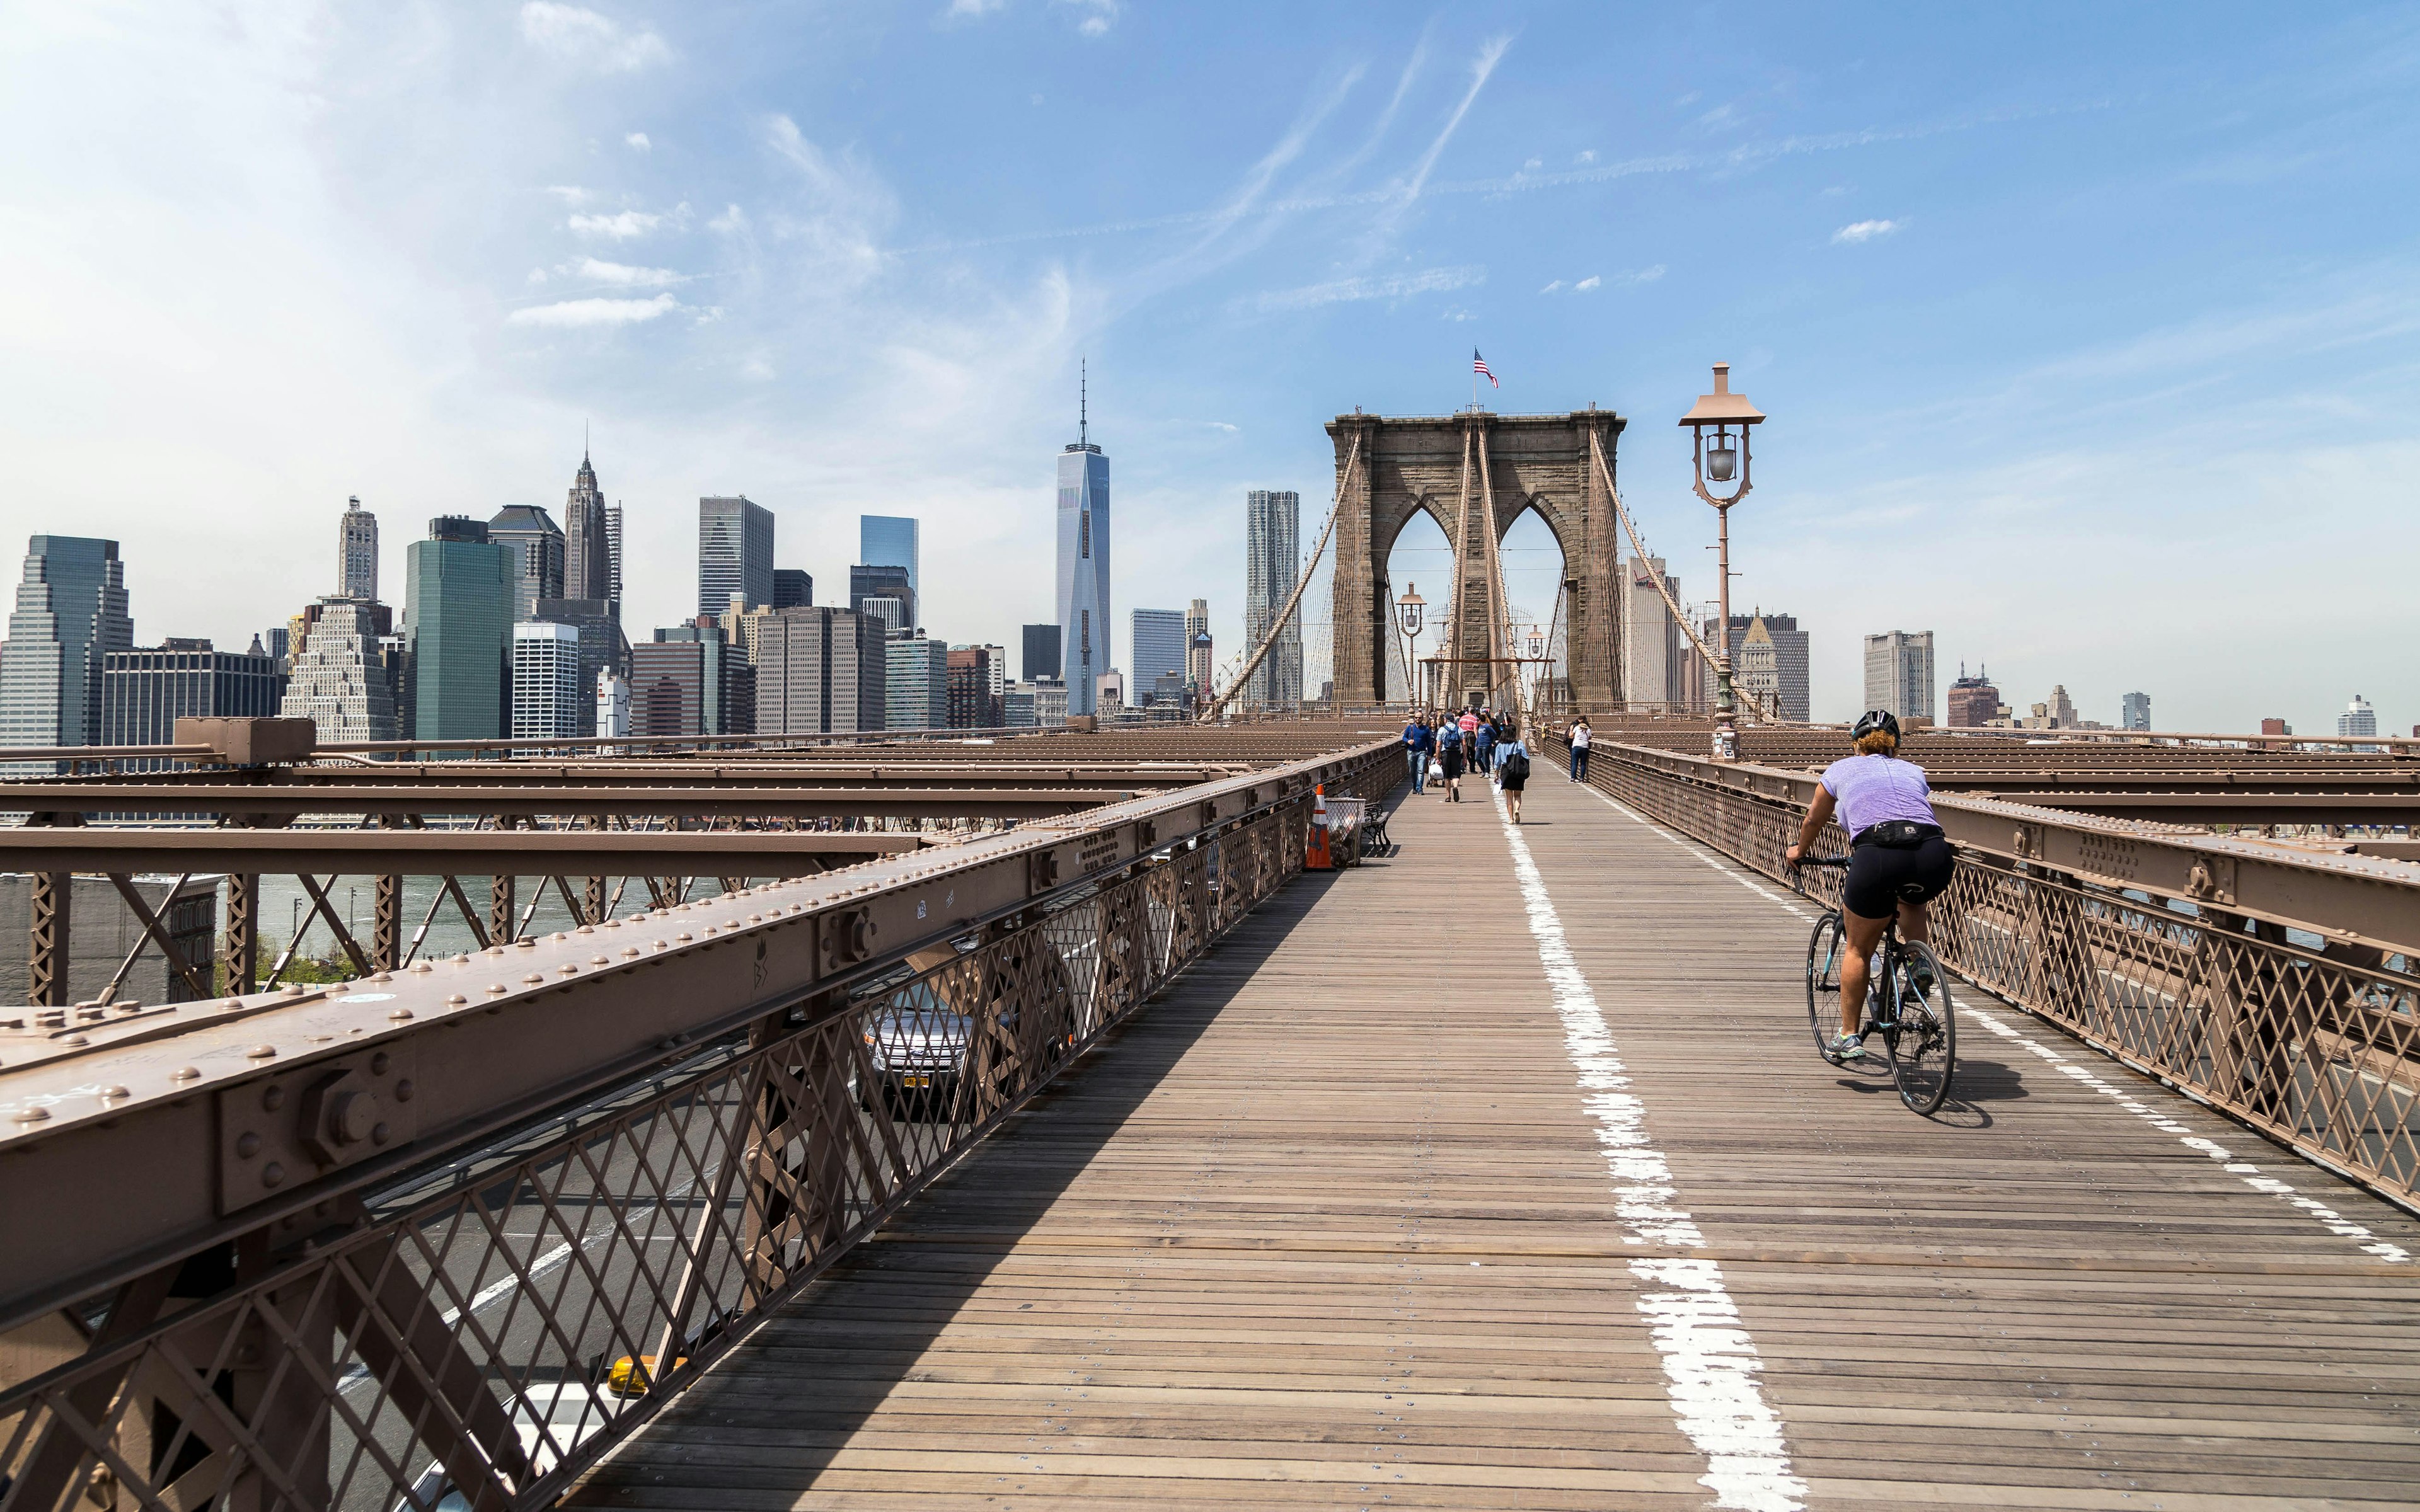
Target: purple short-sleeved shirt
(1872,789)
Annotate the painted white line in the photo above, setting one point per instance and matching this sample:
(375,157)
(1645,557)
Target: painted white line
(2253,1176)
(1710,1363)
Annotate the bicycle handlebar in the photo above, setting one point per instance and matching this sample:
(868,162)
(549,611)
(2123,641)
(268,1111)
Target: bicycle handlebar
(1805,861)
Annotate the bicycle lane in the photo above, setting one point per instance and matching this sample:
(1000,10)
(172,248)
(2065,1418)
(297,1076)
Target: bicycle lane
(2072,1288)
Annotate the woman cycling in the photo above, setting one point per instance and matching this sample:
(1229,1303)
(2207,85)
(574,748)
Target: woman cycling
(1899,860)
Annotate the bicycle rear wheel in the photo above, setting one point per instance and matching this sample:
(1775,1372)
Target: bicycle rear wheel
(1924,1048)
(1824,949)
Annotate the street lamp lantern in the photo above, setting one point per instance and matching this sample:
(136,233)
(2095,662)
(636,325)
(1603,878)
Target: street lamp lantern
(1719,447)
(1536,643)
(1408,611)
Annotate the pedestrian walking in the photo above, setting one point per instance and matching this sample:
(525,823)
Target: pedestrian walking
(1418,739)
(1485,756)
(1513,768)
(1579,748)
(1450,753)
(1468,726)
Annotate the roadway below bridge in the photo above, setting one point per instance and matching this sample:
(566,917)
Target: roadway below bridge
(1501,1172)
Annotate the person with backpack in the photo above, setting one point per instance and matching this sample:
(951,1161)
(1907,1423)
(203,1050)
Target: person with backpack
(1483,758)
(1513,768)
(1580,737)
(1468,728)
(1449,754)
(1419,740)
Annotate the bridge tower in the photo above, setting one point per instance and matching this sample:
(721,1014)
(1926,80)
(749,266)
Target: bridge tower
(1474,473)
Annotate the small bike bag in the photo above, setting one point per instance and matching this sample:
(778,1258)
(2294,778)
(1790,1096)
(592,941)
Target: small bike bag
(1896,834)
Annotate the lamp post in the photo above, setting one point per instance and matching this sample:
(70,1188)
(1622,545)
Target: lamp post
(1720,455)
(1410,617)
(1538,678)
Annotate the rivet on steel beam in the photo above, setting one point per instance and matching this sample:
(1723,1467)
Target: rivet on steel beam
(272,1174)
(247,1145)
(629,951)
(260,1052)
(317,1039)
(419,966)
(684,938)
(32,1116)
(533,976)
(561,935)
(599,960)
(76,1042)
(495,987)
(570,968)
(185,1073)
(293,989)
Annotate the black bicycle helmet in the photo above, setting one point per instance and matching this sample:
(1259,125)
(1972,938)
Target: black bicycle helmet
(1873,720)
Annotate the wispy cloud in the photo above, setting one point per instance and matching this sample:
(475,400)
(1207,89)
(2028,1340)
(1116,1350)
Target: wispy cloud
(968,9)
(1482,67)
(1587,284)
(1097,14)
(1394,286)
(620,227)
(1857,231)
(577,314)
(1597,281)
(578,35)
(568,193)
(638,141)
(623,275)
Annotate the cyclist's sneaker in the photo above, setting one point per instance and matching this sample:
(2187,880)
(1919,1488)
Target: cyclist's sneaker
(1920,975)
(1847,1047)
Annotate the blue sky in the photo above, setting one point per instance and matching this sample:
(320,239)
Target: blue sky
(2086,331)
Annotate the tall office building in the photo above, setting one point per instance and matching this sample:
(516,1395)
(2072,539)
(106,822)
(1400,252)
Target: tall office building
(883,580)
(1198,668)
(1769,656)
(2134,711)
(891,541)
(587,540)
(458,589)
(689,681)
(821,671)
(1272,547)
(537,546)
(2358,718)
(144,692)
(793,589)
(888,609)
(342,679)
(916,675)
(357,552)
(1083,585)
(614,551)
(1655,653)
(1157,648)
(734,553)
(1899,674)
(602,646)
(70,613)
(973,701)
(1973,703)
(1041,652)
(546,692)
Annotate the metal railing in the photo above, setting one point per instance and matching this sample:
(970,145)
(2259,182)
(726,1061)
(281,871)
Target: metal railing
(2179,954)
(486,1323)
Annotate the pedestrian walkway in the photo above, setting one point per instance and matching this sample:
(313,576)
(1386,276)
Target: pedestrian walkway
(1503,1173)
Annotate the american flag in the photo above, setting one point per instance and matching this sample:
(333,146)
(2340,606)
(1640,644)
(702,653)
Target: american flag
(1479,364)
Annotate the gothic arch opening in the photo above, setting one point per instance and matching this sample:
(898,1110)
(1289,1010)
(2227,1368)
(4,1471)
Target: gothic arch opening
(1534,570)
(1421,556)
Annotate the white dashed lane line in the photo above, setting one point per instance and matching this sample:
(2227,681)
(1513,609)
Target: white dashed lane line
(2253,1176)
(1709,1361)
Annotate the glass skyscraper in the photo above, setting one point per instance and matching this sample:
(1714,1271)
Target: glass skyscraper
(735,554)
(1157,650)
(70,613)
(1085,572)
(1272,547)
(891,541)
(460,589)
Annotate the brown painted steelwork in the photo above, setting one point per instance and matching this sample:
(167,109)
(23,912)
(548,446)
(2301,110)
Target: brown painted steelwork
(734,1091)
(761,852)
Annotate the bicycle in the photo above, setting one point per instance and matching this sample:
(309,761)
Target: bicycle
(1918,1024)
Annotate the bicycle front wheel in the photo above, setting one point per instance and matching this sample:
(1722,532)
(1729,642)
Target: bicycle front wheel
(1924,1049)
(1824,949)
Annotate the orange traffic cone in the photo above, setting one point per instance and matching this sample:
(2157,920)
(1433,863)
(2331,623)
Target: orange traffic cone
(1318,858)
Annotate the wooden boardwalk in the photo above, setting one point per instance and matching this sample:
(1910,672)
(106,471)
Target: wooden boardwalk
(1434,1189)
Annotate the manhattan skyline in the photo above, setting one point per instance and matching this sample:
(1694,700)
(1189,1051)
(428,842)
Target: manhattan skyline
(2066,339)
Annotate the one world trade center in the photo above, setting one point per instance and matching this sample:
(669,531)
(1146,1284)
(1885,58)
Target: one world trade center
(1084,567)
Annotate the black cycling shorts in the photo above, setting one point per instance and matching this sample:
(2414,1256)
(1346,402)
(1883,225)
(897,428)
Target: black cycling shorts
(1879,878)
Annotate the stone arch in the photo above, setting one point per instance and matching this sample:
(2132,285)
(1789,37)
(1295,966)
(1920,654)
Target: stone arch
(1397,467)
